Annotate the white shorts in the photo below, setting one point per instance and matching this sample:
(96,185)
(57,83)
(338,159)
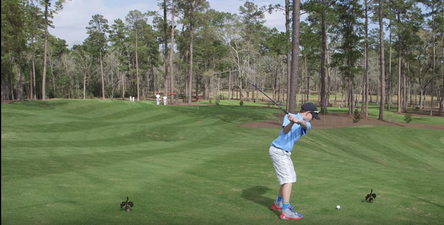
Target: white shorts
(283,165)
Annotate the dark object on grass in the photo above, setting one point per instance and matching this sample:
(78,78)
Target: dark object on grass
(127,204)
(370,196)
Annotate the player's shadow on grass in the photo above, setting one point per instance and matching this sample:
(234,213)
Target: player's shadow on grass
(255,194)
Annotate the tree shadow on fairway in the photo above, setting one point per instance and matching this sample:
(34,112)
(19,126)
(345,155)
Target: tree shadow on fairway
(255,194)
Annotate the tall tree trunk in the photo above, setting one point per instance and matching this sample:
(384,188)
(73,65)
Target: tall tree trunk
(307,73)
(33,91)
(248,77)
(230,94)
(191,49)
(287,31)
(434,63)
(19,83)
(147,75)
(441,105)
(366,73)
(123,85)
(405,93)
(399,67)
(101,75)
(307,91)
(137,71)
(381,61)
(324,50)
(84,85)
(328,75)
(351,105)
(295,57)
(45,52)
(171,53)
(165,52)
(389,102)
(30,83)
(210,81)
(187,77)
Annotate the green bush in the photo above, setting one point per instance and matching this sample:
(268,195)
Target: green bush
(241,103)
(324,110)
(356,116)
(408,117)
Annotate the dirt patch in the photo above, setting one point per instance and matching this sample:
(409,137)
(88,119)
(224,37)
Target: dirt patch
(338,120)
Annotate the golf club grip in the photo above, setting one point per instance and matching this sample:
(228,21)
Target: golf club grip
(269,98)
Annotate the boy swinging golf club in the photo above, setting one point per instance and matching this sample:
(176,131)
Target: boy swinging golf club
(293,127)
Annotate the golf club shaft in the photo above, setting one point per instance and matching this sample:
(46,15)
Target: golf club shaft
(269,98)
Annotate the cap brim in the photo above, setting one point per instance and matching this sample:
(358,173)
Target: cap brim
(316,116)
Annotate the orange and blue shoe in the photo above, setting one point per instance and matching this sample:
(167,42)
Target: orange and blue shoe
(289,214)
(277,206)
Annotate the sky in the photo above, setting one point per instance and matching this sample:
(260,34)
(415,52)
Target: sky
(71,22)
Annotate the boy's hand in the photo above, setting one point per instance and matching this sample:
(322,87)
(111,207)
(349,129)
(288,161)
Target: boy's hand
(294,119)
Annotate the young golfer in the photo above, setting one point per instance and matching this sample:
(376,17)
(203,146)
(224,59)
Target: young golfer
(293,127)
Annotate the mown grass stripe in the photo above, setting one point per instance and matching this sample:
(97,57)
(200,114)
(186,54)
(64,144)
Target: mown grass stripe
(198,164)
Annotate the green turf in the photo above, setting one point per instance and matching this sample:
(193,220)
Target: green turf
(75,161)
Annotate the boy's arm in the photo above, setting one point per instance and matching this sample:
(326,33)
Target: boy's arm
(293,120)
(303,124)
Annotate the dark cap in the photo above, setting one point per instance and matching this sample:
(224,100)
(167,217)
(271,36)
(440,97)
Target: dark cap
(311,108)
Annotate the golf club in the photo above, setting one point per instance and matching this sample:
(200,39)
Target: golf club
(269,98)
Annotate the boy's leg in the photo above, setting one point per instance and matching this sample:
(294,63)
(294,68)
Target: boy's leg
(285,191)
(287,210)
(277,205)
(286,175)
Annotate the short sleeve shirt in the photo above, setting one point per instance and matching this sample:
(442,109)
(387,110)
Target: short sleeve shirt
(287,141)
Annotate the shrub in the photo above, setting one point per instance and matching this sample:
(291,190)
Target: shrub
(324,110)
(408,117)
(241,103)
(356,116)
(90,95)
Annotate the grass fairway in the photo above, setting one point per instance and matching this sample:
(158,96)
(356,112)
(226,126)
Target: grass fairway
(75,161)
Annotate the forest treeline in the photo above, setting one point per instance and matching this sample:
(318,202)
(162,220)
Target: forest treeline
(391,49)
